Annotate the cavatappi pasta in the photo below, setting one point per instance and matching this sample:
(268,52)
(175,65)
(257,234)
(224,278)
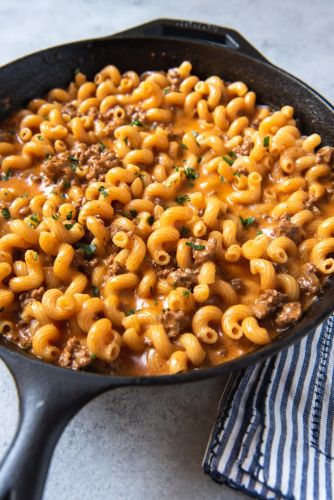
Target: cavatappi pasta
(158,223)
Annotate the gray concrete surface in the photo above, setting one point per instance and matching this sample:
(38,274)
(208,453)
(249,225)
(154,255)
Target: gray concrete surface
(148,443)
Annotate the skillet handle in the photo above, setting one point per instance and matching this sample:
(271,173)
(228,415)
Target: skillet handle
(192,30)
(49,398)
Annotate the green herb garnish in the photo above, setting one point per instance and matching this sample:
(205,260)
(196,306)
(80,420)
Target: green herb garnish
(103,191)
(36,256)
(66,185)
(95,291)
(166,90)
(73,163)
(7,174)
(93,355)
(183,146)
(40,137)
(88,250)
(102,146)
(69,215)
(34,218)
(55,217)
(259,232)
(131,214)
(191,173)
(228,160)
(237,174)
(222,179)
(248,221)
(186,293)
(232,155)
(130,312)
(137,123)
(266,142)
(194,246)
(182,199)
(5,213)
(68,226)
(126,140)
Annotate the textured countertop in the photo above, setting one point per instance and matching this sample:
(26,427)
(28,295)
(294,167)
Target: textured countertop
(148,443)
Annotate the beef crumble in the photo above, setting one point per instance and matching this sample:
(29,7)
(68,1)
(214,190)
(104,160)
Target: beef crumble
(174,322)
(74,355)
(186,278)
(308,281)
(286,228)
(325,155)
(201,255)
(289,314)
(26,297)
(268,303)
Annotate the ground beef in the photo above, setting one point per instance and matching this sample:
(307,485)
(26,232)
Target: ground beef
(74,355)
(175,79)
(134,112)
(325,155)
(113,267)
(268,303)
(99,161)
(57,168)
(183,277)
(6,136)
(289,314)
(70,110)
(164,272)
(208,253)
(82,263)
(174,322)
(36,294)
(245,148)
(286,228)
(308,280)
(236,283)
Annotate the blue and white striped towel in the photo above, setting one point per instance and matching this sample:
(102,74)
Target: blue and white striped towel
(274,438)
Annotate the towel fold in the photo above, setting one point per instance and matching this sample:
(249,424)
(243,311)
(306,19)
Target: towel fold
(273,438)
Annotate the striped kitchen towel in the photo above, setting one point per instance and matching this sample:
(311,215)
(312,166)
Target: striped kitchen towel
(273,438)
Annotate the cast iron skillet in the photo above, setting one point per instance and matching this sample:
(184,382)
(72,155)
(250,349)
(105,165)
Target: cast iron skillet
(49,395)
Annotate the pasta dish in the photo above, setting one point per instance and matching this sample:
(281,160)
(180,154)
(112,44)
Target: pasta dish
(158,223)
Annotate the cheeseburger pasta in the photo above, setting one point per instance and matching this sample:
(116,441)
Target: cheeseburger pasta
(158,223)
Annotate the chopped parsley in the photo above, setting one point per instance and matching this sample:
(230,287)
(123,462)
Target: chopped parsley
(73,163)
(137,123)
(88,250)
(34,218)
(131,214)
(126,140)
(93,355)
(182,199)
(183,146)
(194,246)
(5,213)
(55,217)
(195,134)
(266,142)
(228,160)
(237,174)
(222,179)
(7,175)
(150,220)
(40,137)
(66,184)
(103,191)
(166,90)
(95,291)
(69,226)
(259,232)
(103,147)
(36,256)
(191,173)
(69,215)
(130,312)
(199,159)
(186,293)
(232,155)
(24,195)
(248,221)
(184,232)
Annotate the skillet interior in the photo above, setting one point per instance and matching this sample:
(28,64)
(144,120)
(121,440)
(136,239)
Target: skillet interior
(34,75)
